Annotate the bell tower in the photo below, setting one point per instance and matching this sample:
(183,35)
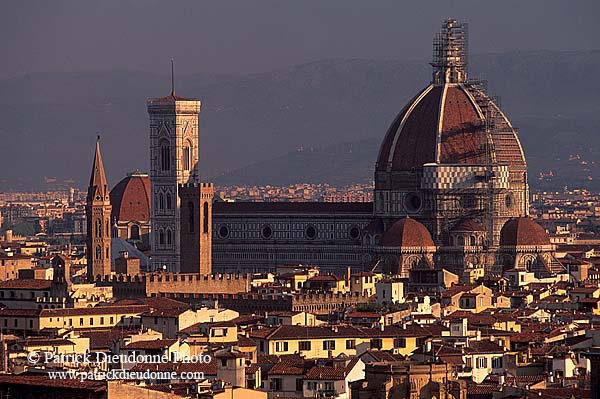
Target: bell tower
(173,162)
(98,220)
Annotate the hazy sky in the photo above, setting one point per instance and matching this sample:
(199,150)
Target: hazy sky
(236,36)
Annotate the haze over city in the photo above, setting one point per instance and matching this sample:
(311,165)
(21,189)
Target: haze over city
(88,67)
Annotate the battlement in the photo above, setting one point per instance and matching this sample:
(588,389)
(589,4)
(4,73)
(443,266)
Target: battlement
(197,185)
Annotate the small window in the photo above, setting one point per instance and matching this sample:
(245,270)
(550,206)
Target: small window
(304,345)
(350,344)
(329,345)
(376,343)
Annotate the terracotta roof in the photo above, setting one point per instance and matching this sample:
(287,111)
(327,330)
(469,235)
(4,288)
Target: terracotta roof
(335,372)
(476,347)
(130,199)
(150,344)
(443,124)
(46,381)
(407,232)
(25,284)
(523,231)
(223,208)
(20,312)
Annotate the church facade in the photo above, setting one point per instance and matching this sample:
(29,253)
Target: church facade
(451,193)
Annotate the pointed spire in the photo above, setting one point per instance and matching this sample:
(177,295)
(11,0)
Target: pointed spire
(98,184)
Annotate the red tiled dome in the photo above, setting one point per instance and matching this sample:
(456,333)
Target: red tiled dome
(444,124)
(407,232)
(468,225)
(130,199)
(523,231)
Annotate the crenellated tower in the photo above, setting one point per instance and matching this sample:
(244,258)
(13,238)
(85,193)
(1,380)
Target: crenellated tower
(196,227)
(98,210)
(173,161)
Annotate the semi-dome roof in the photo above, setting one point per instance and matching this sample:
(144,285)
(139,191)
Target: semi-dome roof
(523,231)
(407,232)
(130,198)
(467,225)
(445,124)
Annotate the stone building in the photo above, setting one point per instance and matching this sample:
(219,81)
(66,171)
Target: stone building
(98,211)
(173,161)
(449,176)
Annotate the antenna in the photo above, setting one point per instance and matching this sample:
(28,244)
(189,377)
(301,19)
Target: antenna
(172,77)
(98,136)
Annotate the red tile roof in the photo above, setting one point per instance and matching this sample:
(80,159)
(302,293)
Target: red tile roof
(407,232)
(26,284)
(523,231)
(130,199)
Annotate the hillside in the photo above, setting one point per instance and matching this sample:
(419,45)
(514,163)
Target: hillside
(263,120)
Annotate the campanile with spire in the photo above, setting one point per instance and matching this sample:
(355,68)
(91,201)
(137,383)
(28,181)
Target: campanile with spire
(173,162)
(98,210)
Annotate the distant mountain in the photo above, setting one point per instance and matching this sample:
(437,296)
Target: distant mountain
(271,120)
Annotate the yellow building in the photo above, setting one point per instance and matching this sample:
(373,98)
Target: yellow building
(331,341)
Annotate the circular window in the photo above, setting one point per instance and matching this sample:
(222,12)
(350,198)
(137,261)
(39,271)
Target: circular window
(508,201)
(310,232)
(412,202)
(354,232)
(224,232)
(267,232)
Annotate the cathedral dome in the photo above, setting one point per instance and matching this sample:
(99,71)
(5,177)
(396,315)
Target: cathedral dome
(452,121)
(407,232)
(445,124)
(523,231)
(130,198)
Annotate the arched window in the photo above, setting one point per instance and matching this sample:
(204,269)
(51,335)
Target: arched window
(205,218)
(134,234)
(169,238)
(169,202)
(473,240)
(161,201)
(98,252)
(187,156)
(107,253)
(461,240)
(165,156)
(98,228)
(190,206)
(107,227)
(161,237)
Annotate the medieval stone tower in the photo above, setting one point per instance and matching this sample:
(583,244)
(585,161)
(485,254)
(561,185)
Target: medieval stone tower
(98,220)
(196,227)
(173,162)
